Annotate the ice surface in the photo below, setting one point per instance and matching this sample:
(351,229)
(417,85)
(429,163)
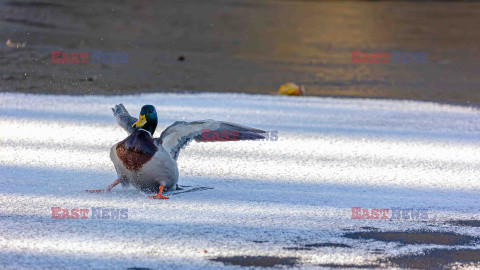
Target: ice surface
(331,155)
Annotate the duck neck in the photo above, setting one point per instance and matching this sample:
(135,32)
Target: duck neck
(150,126)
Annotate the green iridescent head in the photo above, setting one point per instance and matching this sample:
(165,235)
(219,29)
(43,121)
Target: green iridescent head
(148,119)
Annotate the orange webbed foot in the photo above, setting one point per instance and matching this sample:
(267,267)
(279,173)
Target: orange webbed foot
(104,190)
(95,190)
(159,195)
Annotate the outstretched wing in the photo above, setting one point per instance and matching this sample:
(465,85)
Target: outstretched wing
(180,133)
(124,119)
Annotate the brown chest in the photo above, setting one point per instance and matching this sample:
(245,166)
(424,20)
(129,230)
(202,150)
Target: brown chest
(132,158)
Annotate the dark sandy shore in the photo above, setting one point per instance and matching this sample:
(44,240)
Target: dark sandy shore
(248,46)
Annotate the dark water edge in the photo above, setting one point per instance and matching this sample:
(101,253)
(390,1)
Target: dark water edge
(244,46)
(452,253)
(416,237)
(257,261)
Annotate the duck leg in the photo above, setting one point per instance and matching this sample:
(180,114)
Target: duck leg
(107,189)
(159,195)
(181,188)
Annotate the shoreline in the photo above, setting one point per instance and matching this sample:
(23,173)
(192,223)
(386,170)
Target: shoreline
(440,102)
(175,46)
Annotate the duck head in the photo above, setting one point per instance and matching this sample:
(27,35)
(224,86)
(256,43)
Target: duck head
(148,119)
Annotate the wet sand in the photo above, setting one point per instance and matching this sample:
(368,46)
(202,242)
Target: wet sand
(246,46)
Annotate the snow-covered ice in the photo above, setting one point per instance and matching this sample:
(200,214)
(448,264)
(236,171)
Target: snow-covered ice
(331,154)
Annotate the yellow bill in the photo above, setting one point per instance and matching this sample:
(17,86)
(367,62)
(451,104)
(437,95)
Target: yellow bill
(141,122)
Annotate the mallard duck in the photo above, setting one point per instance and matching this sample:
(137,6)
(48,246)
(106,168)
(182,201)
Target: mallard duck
(150,163)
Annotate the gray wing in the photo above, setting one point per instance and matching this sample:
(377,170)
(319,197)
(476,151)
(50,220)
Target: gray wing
(180,133)
(123,118)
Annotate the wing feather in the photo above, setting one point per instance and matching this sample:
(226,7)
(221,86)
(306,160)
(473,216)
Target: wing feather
(123,118)
(180,133)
